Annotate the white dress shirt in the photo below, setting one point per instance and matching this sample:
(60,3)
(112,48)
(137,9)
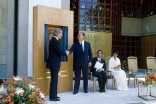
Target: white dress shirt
(82,44)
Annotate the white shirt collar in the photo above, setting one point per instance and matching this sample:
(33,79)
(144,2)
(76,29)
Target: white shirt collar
(55,37)
(82,42)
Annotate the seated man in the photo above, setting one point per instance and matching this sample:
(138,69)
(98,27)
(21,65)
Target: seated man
(99,72)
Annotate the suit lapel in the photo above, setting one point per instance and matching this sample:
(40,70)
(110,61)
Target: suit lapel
(80,48)
(84,46)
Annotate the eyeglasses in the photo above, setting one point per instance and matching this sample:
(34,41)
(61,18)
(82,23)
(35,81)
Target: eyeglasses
(99,53)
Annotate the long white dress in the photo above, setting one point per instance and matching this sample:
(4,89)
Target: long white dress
(120,76)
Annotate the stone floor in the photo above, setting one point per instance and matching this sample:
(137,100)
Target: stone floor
(109,97)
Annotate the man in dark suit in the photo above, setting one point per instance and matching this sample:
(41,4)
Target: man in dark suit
(100,73)
(82,50)
(53,63)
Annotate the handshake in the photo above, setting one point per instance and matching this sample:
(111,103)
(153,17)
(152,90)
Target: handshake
(67,52)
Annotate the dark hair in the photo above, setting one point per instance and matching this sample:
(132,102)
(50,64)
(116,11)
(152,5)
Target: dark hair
(100,51)
(82,33)
(116,52)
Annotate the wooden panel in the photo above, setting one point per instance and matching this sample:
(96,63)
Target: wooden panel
(100,41)
(148,45)
(58,17)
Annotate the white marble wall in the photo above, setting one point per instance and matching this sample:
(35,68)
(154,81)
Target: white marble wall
(10,38)
(131,26)
(148,26)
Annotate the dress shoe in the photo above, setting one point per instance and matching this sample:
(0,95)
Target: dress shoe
(58,97)
(75,92)
(100,91)
(85,91)
(54,99)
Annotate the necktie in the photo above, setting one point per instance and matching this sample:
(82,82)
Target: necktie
(99,59)
(81,45)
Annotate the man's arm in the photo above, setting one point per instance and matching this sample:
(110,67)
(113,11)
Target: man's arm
(58,49)
(104,66)
(90,53)
(71,49)
(92,66)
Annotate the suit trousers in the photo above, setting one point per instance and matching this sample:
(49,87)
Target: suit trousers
(102,78)
(77,79)
(53,84)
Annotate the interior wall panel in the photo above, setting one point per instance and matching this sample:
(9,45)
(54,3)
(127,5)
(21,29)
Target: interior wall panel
(148,48)
(54,17)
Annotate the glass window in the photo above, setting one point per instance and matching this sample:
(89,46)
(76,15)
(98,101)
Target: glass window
(101,28)
(75,12)
(82,27)
(82,19)
(75,20)
(107,29)
(89,6)
(95,13)
(88,27)
(96,1)
(107,14)
(88,20)
(75,27)
(95,28)
(101,13)
(82,5)
(101,7)
(89,12)
(101,21)
(95,6)
(107,21)
(82,12)
(89,0)
(95,20)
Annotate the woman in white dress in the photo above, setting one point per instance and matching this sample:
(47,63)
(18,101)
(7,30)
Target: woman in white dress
(114,65)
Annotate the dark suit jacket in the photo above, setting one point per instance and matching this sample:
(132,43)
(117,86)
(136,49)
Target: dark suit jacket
(81,57)
(55,53)
(93,63)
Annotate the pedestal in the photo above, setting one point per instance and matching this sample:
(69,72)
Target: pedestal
(148,92)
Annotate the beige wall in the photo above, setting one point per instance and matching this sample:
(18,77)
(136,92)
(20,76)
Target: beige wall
(148,26)
(131,26)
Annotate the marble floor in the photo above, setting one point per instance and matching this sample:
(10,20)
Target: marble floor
(108,97)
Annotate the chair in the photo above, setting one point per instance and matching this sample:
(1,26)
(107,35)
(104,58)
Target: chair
(151,64)
(109,74)
(133,70)
(92,78)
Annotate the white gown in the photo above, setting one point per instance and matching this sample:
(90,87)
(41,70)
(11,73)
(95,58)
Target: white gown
(120,76)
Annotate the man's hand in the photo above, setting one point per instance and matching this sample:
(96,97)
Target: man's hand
(99,70)
(67,52)
(89,64)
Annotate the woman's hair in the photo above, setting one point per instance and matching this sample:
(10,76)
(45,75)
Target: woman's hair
(116,52)
(57,31)
(99,51)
